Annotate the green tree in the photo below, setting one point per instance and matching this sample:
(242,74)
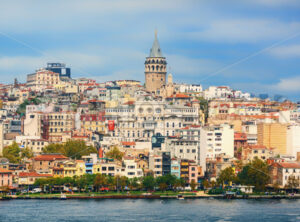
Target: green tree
(226,176)
(77,148)
(12,153)
(100,181)
(26,153)
(74,149)
(53,148)
(204,106)
(193,185)
(179,183)
(206,184)
(148,183)
(255,173)
(22,107)
(115,153)
(133,183)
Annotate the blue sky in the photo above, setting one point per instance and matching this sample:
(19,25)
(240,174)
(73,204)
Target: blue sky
(252,45)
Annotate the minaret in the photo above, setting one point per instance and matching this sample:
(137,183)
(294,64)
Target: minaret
(155,68)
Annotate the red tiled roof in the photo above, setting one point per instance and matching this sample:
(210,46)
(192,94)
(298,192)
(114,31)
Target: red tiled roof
(124,143)
(258,146)
(50,157)
(33,174)
(129,103)
(290,165)
(179,95)
(240,136)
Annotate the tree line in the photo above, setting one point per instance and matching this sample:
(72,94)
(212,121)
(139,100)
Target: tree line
(254,173)
(73,149)
(96,183)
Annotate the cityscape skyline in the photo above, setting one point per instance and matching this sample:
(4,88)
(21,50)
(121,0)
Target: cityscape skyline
(198,39)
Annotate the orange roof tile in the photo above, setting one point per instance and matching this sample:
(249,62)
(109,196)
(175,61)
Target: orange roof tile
(125,143)
(33,174)
(290,165)
(50,157)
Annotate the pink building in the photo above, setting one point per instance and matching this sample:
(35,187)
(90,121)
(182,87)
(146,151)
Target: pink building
(193,173)
(6,178)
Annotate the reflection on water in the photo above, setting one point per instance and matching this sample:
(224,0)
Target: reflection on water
(150,210)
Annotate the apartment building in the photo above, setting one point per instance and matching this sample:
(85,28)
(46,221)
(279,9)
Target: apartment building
(42,80)
(217,139)
(273,135)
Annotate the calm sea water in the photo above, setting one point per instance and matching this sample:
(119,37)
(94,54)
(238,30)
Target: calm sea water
(150,210)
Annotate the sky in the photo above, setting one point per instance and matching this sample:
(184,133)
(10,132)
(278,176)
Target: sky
(249,45)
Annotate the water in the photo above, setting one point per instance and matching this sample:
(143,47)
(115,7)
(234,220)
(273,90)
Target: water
(150,210)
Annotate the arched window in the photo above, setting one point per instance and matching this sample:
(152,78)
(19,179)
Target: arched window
(152,68)
(157,67)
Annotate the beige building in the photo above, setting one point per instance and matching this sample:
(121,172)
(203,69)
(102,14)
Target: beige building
(273,135)
(155,68)
(42,80)
(49,126)
(36,145)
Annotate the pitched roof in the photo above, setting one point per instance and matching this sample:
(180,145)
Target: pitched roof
(50,157)
(179,95)
(33,174)
(290,165)
(240,136)
(125,143)
(155,51)
(258,146)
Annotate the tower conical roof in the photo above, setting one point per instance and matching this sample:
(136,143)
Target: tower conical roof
(155,51)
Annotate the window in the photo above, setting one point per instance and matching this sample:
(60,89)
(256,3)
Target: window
(103,168)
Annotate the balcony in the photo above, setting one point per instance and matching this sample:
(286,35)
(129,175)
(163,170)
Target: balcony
(149,125)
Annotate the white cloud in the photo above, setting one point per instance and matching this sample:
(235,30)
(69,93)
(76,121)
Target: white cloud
(244,30)
(291,84)
(286,51)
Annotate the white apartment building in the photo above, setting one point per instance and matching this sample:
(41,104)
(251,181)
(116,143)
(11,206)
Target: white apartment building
(217,139)
(220,92)
(250,128)
(286,170)
(130,168)
(293,140)
(189,88)
(146,118)
(187,145)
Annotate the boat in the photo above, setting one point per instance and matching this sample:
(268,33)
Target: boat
(63,196)
(180,197)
